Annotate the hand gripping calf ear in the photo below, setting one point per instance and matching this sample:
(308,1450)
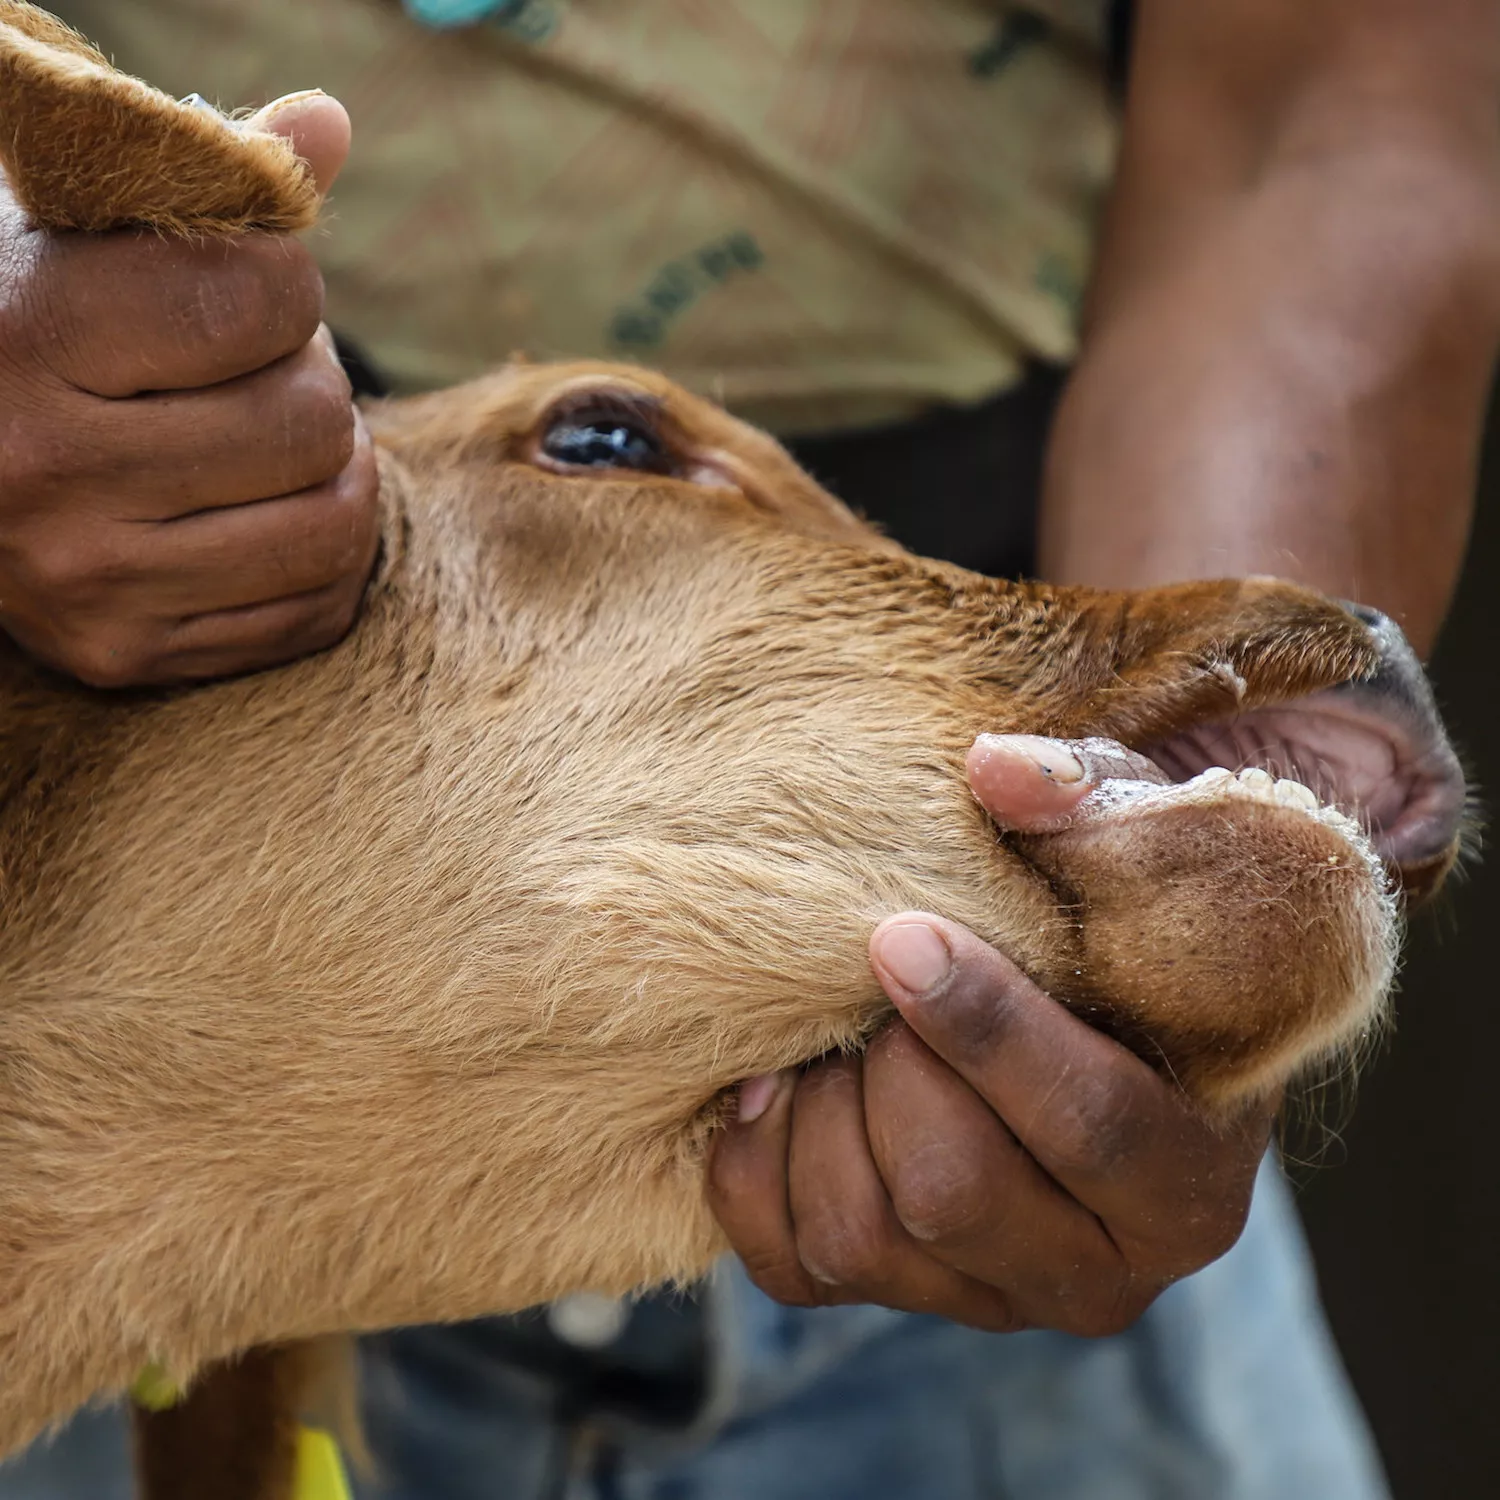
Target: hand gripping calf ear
(87,148)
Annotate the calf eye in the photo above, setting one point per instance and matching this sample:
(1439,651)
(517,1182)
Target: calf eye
(597,438)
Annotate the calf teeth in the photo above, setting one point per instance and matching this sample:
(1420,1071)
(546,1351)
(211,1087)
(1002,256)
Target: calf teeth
(1261,784)
(1294,794)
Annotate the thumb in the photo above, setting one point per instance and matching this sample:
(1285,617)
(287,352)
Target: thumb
(1027,783)
(1030,784)
(317,126)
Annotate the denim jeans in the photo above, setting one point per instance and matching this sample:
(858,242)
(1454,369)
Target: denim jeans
(1227,1389)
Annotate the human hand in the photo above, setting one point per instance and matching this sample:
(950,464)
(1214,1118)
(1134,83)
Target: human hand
(991,1158)
(186,490)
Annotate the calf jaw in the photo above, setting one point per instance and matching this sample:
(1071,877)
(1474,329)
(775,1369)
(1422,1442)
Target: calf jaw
(1232,930)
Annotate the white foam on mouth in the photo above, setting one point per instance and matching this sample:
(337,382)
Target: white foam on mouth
(1217,785)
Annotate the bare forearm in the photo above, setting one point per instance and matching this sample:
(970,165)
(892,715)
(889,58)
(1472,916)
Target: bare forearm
(1288,354)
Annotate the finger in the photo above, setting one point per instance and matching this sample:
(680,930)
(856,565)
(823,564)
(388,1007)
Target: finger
(231,642)
(254,553)
(1025,782)
(160,457)
(142,651)
(245,581)
(317,126)
(962,1187)
(848,1234)
(1031,784)
(747,1192)
(118,314)
(1123,1141)
(151,653)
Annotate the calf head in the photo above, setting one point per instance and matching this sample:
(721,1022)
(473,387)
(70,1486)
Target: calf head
(406,983)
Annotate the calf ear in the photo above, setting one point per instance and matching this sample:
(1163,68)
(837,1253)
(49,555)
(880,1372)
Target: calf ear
(86,147)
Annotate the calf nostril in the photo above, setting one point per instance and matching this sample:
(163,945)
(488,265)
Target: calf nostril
(1365,614)
(1398,674)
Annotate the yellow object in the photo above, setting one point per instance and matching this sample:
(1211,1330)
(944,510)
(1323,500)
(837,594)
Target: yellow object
(320,1470)
(155,1390)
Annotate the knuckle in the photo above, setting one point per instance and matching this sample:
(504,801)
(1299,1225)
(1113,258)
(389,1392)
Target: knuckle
(975,1025)
(1094,1297)
(325,623)
(996,1314)
(296,281)
(1096,1323)
(729,1179)
(318,397)
(940,1199)
(110,659)
(781,1279)
(277,286)
(346,544)
(1220,1235)
(337,621)
(1206,1234)
(1188,1233)
(1090,1128)
(62,572)
(39,453)
(849,1250)
(1116,1314)
(324,390)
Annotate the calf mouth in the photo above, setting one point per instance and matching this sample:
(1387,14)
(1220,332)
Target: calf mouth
(1369,756)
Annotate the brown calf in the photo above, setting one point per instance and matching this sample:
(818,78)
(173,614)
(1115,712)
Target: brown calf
(405,983)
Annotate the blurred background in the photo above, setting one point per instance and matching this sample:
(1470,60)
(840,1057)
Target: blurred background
(1404,1209)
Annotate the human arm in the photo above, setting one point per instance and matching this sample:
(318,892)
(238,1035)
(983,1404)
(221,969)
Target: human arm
(1290,333)
(185,488)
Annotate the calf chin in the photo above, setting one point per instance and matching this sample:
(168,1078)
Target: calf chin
(1234,941)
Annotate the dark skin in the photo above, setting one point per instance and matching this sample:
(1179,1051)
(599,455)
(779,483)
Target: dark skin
(1284,368)
(1294,319)
(186,490)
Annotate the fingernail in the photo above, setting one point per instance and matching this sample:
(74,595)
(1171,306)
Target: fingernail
(1054,760)
(758,1094)
(914,955)
(286,102)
